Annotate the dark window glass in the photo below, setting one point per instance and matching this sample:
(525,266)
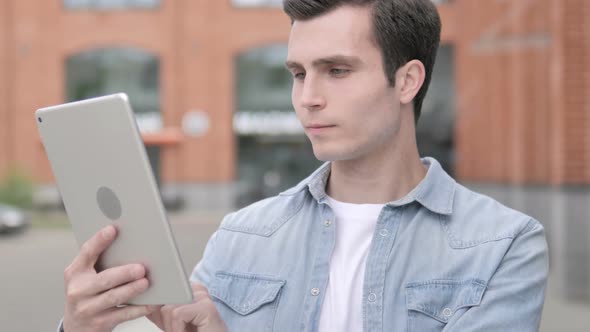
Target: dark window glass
(279,3)
(258,3)
(274,153)
(436,124)
(111,4)
(104,71)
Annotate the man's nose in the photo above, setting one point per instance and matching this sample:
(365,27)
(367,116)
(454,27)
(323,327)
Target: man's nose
(311,95)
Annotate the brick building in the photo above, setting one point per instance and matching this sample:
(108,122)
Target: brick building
(523,113)
(508,89)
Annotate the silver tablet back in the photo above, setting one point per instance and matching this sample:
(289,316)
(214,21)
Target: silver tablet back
(104,177)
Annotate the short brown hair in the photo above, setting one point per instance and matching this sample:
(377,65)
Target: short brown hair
(404,30)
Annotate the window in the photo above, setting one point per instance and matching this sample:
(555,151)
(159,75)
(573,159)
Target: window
(136,72)
(111,4)
(261,72)
(435,128)
(258,3)
(279,3)
(273,152)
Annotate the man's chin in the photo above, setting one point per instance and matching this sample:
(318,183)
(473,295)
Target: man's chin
(322,156)
(331,156)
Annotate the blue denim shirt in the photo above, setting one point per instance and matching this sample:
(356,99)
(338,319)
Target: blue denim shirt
(443,258)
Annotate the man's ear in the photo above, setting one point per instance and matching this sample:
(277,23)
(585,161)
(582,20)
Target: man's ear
(411,78)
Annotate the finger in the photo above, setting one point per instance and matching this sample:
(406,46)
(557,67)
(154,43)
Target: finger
(200,315)
(116,316)
(182,316)
(91,249)
(156,317)
(116,296)
(200,293)
(196,286)
(170,321)
(116,276)
(167,316)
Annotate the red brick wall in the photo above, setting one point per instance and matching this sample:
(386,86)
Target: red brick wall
(5,25)
(522,114)
(575,114)
(521,65)
(29,77)
(195,40)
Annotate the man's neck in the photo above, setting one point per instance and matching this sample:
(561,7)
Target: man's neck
(380,178)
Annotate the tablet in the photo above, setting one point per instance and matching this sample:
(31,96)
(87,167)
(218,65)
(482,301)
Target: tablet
(104,177)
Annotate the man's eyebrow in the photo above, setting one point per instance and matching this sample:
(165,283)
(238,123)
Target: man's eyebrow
(335,59)
(292,64)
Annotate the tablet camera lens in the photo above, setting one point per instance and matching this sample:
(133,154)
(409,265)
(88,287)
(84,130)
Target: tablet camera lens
(40,120)
(109,203)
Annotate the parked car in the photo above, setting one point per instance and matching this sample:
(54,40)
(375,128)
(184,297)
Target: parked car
(13,219)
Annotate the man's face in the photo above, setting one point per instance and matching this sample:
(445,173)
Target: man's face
(340,92)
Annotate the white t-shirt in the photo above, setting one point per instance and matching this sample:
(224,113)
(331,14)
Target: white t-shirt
(342,306)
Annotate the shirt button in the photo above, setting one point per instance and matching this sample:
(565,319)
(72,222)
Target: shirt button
(372,297)
(327,223)
(315,291)
(384,232)
(447,312)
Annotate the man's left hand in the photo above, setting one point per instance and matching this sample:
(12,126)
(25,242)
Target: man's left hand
(199,316)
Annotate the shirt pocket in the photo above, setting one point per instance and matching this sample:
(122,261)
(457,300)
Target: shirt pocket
(246,302)
(432,304)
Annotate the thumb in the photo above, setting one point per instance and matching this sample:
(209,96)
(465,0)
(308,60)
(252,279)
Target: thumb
(156,316)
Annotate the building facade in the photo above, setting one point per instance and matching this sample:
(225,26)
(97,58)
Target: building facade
(507,103)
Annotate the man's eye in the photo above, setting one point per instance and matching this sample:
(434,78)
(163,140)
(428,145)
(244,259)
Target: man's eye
(338,71)
(298,76)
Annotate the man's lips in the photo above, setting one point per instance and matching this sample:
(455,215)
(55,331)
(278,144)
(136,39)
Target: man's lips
(318,128)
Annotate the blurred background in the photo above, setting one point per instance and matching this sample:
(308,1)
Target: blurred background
(507,114)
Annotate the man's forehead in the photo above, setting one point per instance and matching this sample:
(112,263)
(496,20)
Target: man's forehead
(341,32)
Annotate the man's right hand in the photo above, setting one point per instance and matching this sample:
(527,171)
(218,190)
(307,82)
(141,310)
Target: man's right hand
(92,298)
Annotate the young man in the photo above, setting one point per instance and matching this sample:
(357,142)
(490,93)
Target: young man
(377,239)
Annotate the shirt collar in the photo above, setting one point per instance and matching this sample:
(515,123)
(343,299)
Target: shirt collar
(435,192)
